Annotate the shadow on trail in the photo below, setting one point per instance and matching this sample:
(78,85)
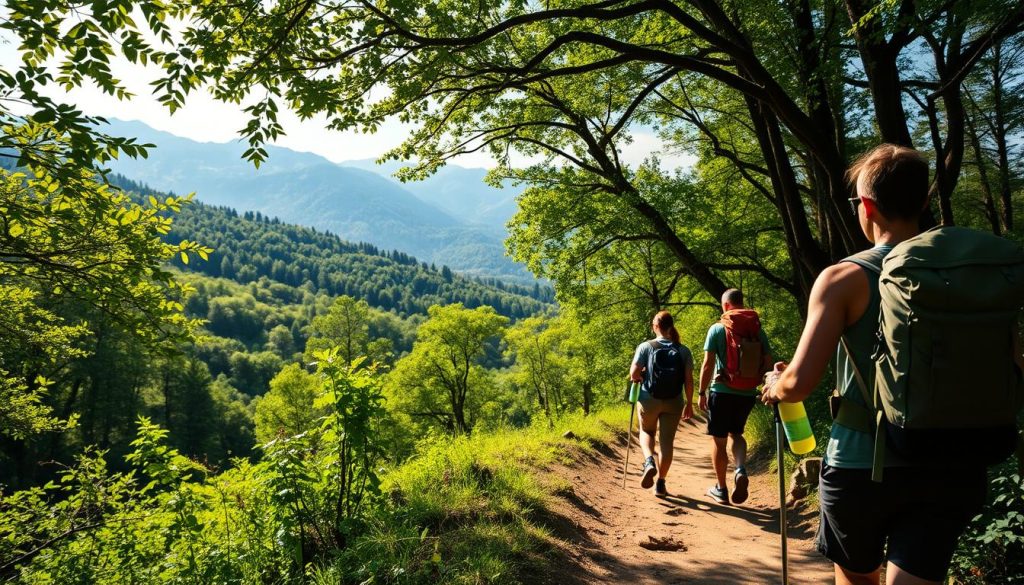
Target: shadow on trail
(767,520)
(708,572)
(711,507)
(580,504)
(606,548)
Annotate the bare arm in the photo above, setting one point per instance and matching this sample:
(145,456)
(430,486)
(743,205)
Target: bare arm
(636,373)
(707,370)
(688,409)
(689,385)
(839,297)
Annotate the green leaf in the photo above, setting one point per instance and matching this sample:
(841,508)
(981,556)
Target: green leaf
(44,116)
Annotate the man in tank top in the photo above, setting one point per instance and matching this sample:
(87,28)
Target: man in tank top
(915,515)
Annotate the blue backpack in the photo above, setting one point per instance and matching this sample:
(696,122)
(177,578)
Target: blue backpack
(666,370)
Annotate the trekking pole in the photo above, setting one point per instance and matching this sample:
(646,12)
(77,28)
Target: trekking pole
(782,495)
(632,393)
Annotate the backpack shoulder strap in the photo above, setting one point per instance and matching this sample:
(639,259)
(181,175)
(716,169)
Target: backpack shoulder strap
(878,458)
(869,259)
(861,384)
(654,344)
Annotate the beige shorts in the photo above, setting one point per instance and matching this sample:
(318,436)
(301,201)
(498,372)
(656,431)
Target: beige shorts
(656,412)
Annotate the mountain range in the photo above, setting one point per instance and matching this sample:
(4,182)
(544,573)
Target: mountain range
(452,218)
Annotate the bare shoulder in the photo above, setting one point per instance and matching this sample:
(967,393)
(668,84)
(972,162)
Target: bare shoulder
(842,280)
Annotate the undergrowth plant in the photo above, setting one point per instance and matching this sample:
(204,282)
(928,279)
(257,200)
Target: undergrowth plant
(320,507)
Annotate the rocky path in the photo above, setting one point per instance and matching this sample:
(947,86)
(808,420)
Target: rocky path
(626,535)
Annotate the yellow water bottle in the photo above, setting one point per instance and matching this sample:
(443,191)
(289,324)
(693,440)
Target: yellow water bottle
(797,427)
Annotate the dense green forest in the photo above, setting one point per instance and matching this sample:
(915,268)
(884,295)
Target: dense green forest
(196,395)
(248,325)
(248,246)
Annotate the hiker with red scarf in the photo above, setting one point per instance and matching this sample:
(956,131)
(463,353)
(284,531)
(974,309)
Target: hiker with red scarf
(736,355)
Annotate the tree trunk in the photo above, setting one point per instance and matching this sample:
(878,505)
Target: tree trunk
(697,269)
(587,397)
(879,59)
(999,134)
(988,203)
(805,253)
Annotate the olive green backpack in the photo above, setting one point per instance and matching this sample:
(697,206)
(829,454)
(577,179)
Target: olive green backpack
(946,386)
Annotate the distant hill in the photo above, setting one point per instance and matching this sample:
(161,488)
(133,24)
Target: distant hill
(459,191)
(354,203)
(249,246)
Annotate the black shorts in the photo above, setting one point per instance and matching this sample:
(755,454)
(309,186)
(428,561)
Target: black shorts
(727,413)
(917,513)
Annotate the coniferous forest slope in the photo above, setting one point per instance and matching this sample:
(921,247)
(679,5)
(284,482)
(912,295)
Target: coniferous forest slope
(249,245)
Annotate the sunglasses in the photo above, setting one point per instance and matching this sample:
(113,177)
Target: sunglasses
(854,202)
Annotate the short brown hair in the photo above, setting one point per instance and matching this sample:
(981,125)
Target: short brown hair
(895,177)
(734,297)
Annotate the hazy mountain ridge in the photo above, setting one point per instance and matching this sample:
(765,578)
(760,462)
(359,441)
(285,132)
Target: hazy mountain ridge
(448,219)
(460,191)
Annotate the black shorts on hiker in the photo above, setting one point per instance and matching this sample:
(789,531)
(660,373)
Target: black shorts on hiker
(727,413)
(918,511)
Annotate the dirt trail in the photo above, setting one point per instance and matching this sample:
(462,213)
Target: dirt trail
(722,544)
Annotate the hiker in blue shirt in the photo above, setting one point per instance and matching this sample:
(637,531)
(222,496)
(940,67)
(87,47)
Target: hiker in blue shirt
(665,367)
(915,515)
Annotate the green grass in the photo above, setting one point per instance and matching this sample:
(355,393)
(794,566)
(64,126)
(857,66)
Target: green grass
(472,509)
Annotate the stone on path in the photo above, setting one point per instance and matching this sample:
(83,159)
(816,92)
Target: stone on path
(803,479)
(651,542)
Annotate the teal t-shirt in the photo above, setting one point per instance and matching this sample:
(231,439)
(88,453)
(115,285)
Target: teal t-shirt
(715,342)
(847,448)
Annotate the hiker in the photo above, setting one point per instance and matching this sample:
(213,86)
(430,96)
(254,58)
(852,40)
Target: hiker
(916,513)
(664,366)
(736,355)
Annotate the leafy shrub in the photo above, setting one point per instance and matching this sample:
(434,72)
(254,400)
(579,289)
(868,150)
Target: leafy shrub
(992,549)
(169,520)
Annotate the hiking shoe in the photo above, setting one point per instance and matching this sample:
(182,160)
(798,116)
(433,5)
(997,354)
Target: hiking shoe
(739,495)
(650,470)
(719,494)
(659,488)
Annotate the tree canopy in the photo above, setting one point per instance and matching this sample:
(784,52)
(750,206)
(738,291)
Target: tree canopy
(442,381)
(779,96)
